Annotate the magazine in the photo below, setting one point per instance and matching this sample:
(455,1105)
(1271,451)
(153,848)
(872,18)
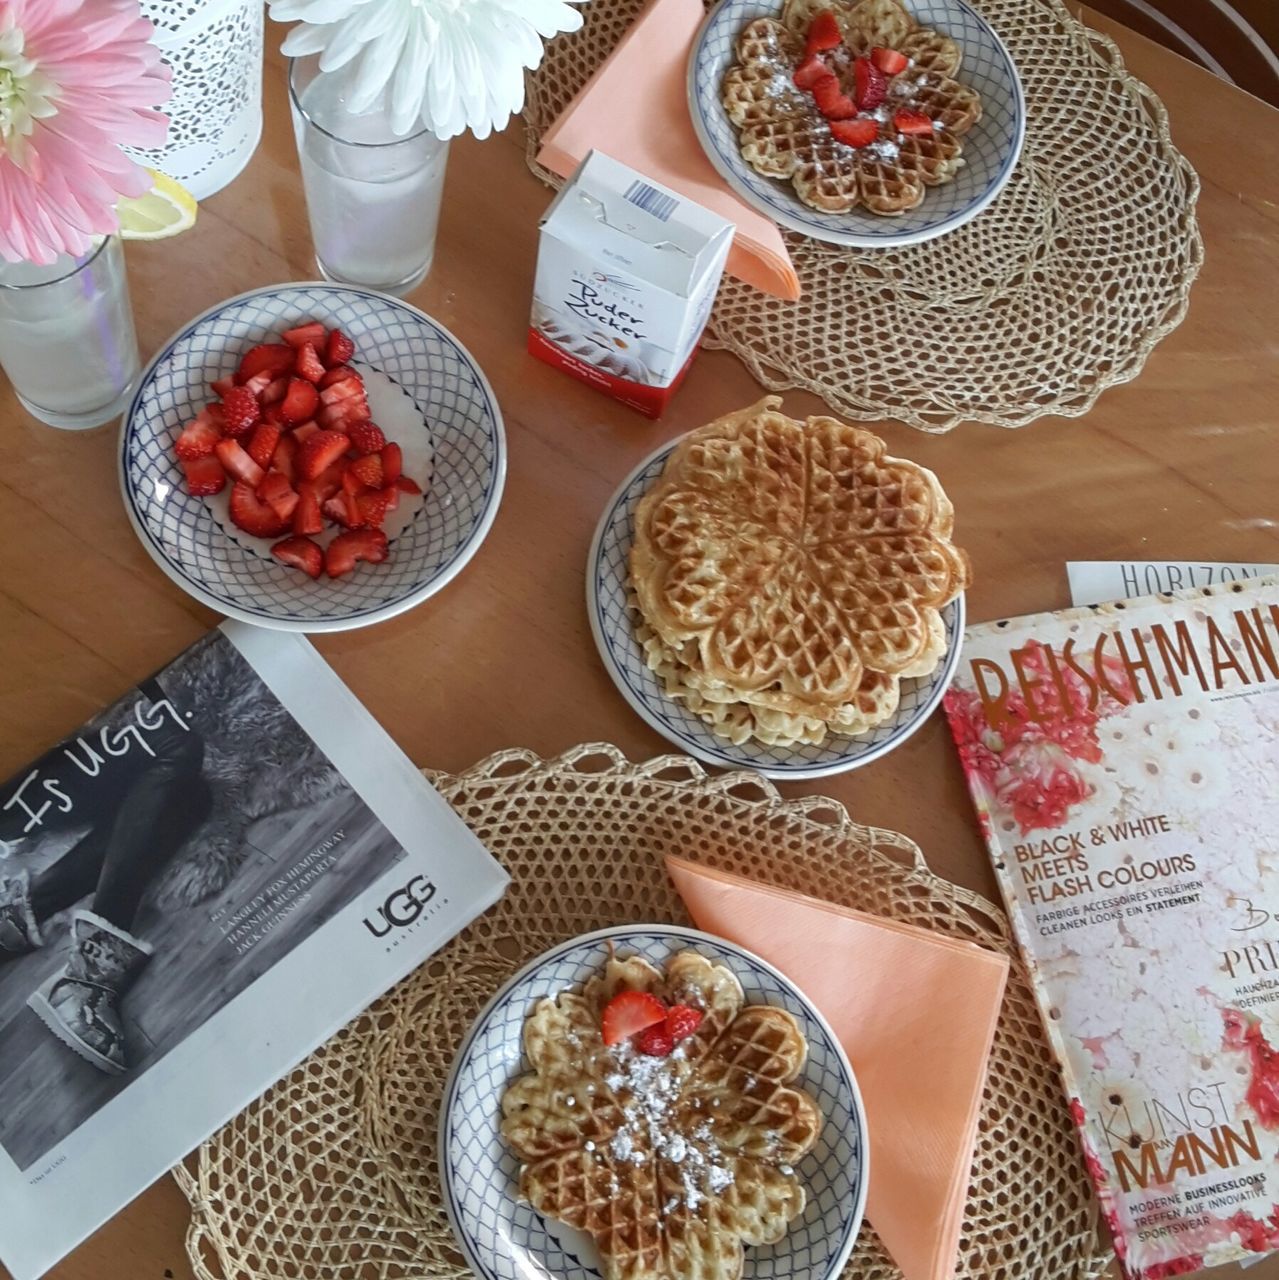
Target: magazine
(197,889)
(1124,761)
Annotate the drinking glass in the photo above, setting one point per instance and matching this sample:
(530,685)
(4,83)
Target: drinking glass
(373,197)
(66,336)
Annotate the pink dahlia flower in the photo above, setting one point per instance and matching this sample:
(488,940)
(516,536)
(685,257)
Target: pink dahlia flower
(79,79)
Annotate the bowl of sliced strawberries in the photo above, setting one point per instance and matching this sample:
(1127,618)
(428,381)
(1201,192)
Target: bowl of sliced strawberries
(312,457)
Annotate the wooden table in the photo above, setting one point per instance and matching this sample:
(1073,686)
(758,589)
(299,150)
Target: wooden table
(1178,464)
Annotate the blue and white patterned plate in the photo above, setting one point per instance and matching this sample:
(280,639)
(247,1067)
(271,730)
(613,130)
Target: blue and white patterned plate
(991,148)
(425,391)
(613,626)
(505,1239)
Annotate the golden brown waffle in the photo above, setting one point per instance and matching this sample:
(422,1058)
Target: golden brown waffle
(740,717)
(782,134)
(671,1165)
(795,568)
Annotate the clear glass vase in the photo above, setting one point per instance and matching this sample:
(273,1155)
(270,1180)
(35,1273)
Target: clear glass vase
(67,341)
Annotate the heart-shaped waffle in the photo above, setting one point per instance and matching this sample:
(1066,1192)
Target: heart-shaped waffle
(670,1164)
(795,568)
(783,133)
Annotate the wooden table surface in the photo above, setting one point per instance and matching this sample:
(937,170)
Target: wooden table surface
(1180,463)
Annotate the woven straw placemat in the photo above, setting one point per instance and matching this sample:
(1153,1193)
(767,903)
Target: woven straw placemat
(1057,291)
(333,1174)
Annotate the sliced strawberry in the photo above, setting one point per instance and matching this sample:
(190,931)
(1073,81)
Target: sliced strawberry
(204,475)
(347,549)
(367,437)
(300,553)
(274,391)
(320,451)
(340,373)
(275,413)
(405,485)
(237,463)
(823,33)
(854,133)
(870,85)
(335,393)
(251,514)
(629,1012)
(301,402)
(197,439)
(832,101)
(341,418)
(656,1042)
(261,446)
(258,384)
(392,463)
(368,471)
(329,481)
(912,122)
(339,349)
(372,508)
(810,71)
(273,358)
(221,386)
(313,332)
(392,495)
(305,431)
(309,365)
(276,491)
(889,61)
(352,483)
(214,413)
(239,412)
(681,1021)
(341,508)
(285,455)
(307,517)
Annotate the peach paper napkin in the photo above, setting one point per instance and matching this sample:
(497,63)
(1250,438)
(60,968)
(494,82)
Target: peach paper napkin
(635,109)
(915,1012)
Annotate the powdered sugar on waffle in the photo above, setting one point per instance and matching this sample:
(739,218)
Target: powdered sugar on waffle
(648,1089)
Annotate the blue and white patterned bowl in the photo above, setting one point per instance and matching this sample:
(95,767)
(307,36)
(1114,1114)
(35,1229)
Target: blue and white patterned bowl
(613,626)
(505,1239)
(991,148)
(426,392)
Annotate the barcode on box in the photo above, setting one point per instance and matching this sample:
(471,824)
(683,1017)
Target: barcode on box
(651,200)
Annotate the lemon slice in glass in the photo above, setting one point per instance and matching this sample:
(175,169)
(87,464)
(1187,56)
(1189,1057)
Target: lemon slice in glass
(167,209)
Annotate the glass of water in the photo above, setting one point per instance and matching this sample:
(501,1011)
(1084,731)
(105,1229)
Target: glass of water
(67,340)
(373,197)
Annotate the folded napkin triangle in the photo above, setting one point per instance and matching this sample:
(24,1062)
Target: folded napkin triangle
(635,109)
(916,1013)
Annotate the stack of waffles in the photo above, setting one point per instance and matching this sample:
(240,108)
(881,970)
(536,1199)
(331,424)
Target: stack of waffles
(783,133)
(670,1164)
(786,576)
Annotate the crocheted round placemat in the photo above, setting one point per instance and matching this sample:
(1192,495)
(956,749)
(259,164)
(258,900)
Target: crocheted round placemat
(1057,291)
(333,1174)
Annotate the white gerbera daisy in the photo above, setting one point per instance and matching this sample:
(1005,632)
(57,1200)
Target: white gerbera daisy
(451,64)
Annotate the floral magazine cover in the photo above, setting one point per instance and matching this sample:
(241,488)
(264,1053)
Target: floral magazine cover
(1124,761)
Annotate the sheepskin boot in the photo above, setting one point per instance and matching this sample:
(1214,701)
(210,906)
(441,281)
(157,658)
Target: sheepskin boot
(19,932)
(81,1004)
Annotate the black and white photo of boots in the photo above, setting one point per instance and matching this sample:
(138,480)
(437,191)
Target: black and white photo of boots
(152,867)
(19,929)
(81,1003)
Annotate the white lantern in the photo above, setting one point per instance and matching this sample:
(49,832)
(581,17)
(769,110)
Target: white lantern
(214,48)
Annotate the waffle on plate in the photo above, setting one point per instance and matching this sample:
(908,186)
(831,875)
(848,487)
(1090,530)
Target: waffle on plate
(856,104)
(787,575)
(660,1118)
